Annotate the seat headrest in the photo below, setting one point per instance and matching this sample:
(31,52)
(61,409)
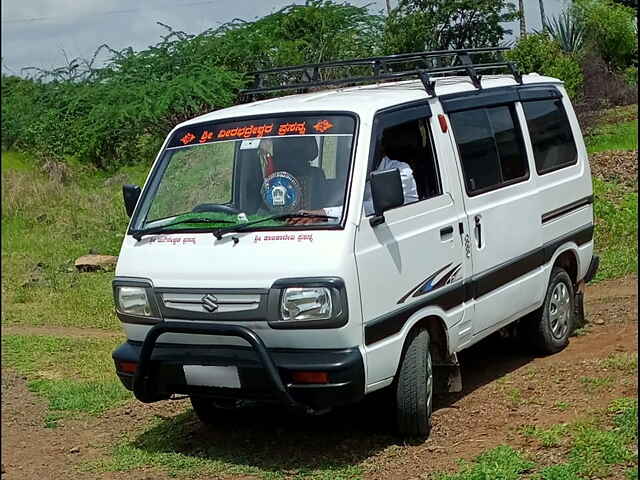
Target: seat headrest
(294,153)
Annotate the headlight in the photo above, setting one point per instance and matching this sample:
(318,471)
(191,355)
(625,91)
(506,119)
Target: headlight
(306,304)
(133,301)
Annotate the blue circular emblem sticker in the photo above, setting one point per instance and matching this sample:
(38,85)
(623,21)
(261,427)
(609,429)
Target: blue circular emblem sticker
(281,192)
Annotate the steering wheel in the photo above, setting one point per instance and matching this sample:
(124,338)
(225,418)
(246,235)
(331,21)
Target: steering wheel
(215,207)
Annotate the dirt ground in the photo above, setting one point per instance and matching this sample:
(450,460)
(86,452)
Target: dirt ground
(504,389)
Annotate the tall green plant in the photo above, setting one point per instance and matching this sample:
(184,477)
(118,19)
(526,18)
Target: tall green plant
(611,30)
(568,32)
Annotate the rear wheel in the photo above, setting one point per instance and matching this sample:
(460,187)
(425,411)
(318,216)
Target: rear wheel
(550,329)
(414,387)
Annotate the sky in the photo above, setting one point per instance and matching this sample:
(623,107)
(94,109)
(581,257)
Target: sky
(40,32)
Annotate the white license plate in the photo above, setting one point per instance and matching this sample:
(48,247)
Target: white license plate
(210,376)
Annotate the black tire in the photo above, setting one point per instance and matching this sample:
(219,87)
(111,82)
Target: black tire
(414,387)
(549,330)
(212,412)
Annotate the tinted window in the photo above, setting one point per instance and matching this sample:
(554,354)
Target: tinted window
(553,144)
(491,148)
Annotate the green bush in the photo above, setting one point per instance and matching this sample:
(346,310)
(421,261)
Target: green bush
(631,75)
(120,113)
(611,30)
(541,54)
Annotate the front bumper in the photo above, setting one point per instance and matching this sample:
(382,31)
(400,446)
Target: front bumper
(265,374)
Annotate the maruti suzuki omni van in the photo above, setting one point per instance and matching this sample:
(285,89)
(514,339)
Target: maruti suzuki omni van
(270,257)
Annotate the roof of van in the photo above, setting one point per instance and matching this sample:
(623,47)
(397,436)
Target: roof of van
(364,99)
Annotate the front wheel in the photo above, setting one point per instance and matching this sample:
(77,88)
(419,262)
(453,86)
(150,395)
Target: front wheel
(212,412)
(550,329)
(414,387)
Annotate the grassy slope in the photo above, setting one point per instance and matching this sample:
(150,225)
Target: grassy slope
(616,206)
(620,136)
(46,225)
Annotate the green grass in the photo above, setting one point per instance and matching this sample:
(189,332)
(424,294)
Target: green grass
(74,375)
(623,362)
(592,449)
(617,136)
(181,446)
(16,161)
(548,437)
(616,230)
(500,463)
(592,384)
(46,225)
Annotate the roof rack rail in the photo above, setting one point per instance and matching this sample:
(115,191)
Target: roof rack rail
(306,76)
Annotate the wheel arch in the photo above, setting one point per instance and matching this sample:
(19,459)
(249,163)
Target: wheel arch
(567,258)
(438,336)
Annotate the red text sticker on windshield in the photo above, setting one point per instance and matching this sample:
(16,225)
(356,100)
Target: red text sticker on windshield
(188,138)
(206,136)
(294,127)
(246,131)
(322,126)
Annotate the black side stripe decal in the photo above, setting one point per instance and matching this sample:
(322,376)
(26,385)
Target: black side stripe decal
(450,296)
(425,282)
(570,207)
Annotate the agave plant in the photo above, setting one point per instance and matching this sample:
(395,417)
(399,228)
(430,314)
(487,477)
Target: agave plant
(568,31)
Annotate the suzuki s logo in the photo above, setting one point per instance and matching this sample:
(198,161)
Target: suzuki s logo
(209,303)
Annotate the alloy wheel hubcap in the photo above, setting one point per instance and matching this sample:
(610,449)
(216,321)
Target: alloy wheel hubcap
(559,310)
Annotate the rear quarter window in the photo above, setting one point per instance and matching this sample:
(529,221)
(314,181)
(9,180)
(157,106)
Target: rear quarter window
(491,149)
(551,136)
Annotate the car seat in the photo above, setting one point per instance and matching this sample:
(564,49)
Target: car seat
(294,155)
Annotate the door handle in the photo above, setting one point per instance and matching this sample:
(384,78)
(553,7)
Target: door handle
(446,233)
(478,231)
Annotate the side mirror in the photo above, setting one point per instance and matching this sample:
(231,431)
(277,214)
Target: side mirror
(131,193)
(386,193)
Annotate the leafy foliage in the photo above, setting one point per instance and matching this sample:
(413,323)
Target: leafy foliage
(119,113)
(540,53)
(417,25)
(611,30)
(568,32)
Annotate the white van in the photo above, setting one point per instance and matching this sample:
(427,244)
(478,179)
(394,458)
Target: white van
(314,248)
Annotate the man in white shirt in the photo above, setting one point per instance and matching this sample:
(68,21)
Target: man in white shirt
(408,187)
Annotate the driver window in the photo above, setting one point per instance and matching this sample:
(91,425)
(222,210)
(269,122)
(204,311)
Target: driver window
(411,144)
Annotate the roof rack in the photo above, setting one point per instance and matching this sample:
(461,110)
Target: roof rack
(304,77)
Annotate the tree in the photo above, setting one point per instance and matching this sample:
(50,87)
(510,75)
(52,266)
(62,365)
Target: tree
(628,3)
(416,25)
(543,19)
(523,23)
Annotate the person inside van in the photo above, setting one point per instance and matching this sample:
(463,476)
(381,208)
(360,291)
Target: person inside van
(394,150)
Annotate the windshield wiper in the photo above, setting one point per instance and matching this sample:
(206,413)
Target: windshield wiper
(138,234)
(243,226)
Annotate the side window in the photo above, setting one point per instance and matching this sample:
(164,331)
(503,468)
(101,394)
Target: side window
(551,136)
(411,144)
(491,148)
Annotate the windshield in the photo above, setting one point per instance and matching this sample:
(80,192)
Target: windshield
(242,171)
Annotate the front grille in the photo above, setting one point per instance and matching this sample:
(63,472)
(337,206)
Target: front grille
(192,302)
(212,304)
